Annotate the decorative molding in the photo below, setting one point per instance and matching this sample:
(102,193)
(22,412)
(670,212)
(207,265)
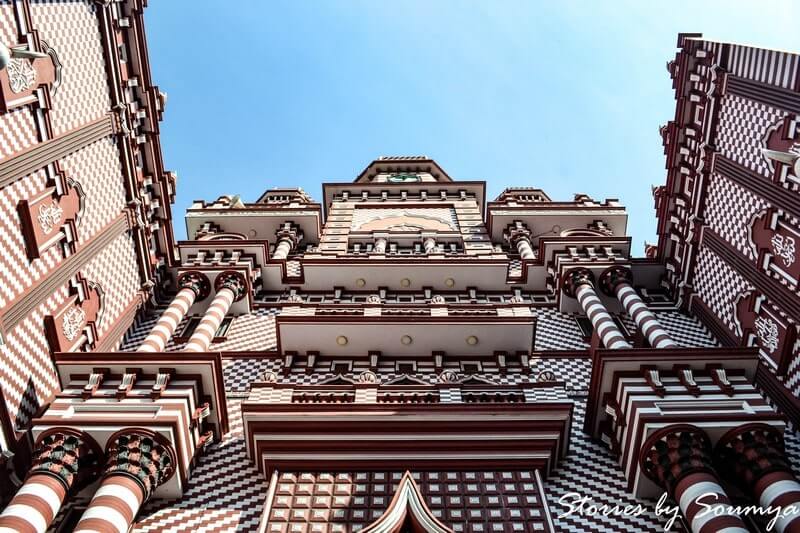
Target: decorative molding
(76,322)
(47,152)
(49,218)
(762,324)
(22,77)
(27,302)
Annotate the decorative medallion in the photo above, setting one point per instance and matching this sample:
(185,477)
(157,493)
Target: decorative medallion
(773,238)
(80,314)
(49,216)
(784,247)
(404,178)
(21,75)
(760,323)
(73,322)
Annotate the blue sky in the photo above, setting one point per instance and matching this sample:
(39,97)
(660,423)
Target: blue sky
(565,96)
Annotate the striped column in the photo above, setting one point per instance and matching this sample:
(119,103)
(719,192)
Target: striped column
(578,283)
(138,463)
(230,288)
(754,457)
(288,237)
(55,467)
(518,235)
(282,249)
(193,285)
(616,281)
(678,458)
(524,248)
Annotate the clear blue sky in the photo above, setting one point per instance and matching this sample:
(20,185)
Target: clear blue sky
(565,96)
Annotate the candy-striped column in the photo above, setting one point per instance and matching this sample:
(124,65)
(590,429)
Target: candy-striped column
(230,288)
(288,237)
(604,325)
(678,458)
(138,463)
(193,285)
(518,235)
(616,281)
(754,457)
(579,283)
(55,467)
(705,505)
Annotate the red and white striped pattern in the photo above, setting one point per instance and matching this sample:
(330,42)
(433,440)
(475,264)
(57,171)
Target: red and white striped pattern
(162,332)
(645,320)
(780,489)
(704,487)
(215,314)
(603,324)
(113,506)
(282,249)
(34,506)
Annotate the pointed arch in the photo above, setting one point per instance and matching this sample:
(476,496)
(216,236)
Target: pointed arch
(407,510)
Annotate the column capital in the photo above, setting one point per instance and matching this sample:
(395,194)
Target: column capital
(574,278)
(673,453)
(197,282)
(516,231)
(289,231)
(749,452)
(66,454)
(612,277)
(145,456)
(233,280)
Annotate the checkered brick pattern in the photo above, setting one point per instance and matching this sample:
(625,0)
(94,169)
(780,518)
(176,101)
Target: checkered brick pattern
(116,271)
(576,372)
(251,332)
(27,376)
(466,501)
(72,30)
(294,269)
(8,23)
(17,131)
(557,331)
(792,377)
(686,330)
(718,285)
(729,211)
(742,131)
(17,272)
(514,268)
(225,492)
(590,470)
(239,373)
(98,170)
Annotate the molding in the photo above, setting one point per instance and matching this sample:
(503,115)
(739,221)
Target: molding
(767,94)
(28,301)
(763,186)
(44,153)
(777,293)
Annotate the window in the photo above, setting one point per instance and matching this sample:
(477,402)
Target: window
(470,367)
(341,367)
(406,367)
(587,328)
(194,321)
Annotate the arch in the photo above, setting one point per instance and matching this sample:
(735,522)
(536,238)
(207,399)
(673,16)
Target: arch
(407,512)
